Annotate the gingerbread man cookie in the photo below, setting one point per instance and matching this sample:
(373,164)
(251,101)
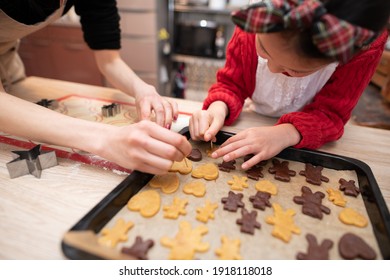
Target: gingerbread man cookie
(348,187)
(111,237)
(139,249)
(207,212)
(316,251)
(227,166)
(187,242)
(175,209)
(313,174)
(229,250)
(281,170)
(238,183)
(283,223)
(248,221)
(336,197)
(260,200)
(311,203)
(255,172)
(233,201)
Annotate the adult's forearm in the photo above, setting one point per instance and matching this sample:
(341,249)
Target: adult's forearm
(28,120)
(118,73)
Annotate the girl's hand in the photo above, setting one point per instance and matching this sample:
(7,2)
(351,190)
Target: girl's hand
(148,100)
(144,146)
(263,142)
(205,124)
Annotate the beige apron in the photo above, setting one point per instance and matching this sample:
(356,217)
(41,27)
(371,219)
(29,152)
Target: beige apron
(11,31)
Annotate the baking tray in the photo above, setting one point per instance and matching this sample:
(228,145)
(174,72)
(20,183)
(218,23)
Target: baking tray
(110,205)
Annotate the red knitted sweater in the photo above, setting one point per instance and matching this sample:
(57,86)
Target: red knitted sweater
(319,122)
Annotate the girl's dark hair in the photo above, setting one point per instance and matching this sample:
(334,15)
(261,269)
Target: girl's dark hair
(370,14)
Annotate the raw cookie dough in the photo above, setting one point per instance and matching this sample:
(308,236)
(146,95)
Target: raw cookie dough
(147,203)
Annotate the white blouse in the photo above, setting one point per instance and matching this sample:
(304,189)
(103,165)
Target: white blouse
(276,94)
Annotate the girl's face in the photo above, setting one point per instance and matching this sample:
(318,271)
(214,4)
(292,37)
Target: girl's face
(283,58)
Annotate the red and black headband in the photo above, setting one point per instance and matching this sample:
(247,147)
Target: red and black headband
(334,37)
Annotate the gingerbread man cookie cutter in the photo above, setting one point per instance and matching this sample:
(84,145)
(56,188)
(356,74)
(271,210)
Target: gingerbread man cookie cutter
(48,103)
(31,162)
(111,110)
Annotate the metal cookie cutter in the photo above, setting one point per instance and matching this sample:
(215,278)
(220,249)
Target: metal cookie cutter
(111,110)
(48,103)
(31,162)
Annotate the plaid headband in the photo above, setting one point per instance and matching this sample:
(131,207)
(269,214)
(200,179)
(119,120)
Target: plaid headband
(334,37)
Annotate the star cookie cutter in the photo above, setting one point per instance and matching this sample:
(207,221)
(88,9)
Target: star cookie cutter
(111,110)
(31,162)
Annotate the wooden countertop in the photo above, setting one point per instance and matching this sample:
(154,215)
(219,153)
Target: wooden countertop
(36,213)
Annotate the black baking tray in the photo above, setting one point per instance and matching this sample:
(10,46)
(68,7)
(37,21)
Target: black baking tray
(375,205)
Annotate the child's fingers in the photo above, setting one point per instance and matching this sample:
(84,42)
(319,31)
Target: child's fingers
(204,124)
(235,152)
(225,149)
(252,161)
(239,136)
(212,131)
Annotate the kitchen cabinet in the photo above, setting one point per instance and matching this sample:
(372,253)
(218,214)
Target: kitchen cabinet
(198,71)
(59,52)
(142,47)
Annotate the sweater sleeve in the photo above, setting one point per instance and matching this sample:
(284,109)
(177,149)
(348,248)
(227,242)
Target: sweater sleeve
(233,84)
(324,118)
(100,23)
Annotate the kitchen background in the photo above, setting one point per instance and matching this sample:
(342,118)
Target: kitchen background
(175,45)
